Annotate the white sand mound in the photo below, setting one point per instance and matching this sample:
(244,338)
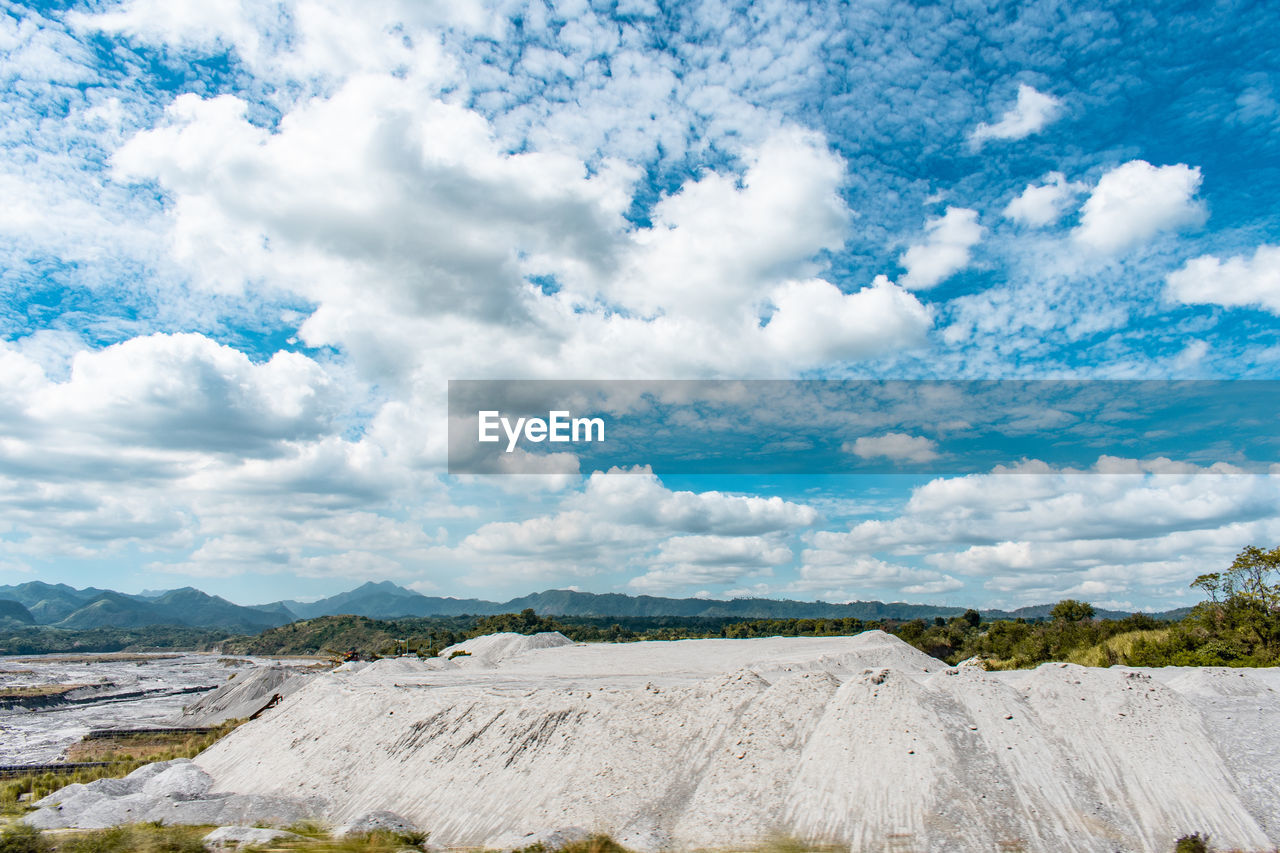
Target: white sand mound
(1221,681)
(395,667)
(243,696)
(860,741)
(241,837)
(173,792)
(493,649)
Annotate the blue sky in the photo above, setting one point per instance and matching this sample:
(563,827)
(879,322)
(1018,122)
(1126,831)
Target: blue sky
(245,245)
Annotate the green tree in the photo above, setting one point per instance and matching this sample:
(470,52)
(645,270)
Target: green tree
(1070,610)
(1195,843)
(1253,577)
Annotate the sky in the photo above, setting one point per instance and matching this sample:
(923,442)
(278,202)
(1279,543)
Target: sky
(244,246)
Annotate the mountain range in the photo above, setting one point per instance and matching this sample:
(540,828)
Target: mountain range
(61,606)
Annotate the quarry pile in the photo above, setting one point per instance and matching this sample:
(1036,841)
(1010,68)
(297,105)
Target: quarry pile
(176,792)
(860,741)
(243,696)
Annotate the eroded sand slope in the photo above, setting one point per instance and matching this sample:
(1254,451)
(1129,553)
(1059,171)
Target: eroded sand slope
(859,740)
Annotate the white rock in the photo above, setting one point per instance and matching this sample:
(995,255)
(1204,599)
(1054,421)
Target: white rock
(550,839)
(373,821)
(180,781)
(239,837)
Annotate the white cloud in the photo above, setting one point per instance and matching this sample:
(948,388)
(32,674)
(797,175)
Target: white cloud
(185,391)
(627,520)
(1032,112)
(949,240)
(404,220)
(1043,204)
(722,242)
(1145,528)
(350,544)
(1237,281)
(640,499)
(815,323)
(695,561)
(723,551)
(837,575)
(176,443)
(1135,201)
(895,446)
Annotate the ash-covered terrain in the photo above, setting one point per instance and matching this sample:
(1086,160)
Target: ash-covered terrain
(49,702)
(860,741)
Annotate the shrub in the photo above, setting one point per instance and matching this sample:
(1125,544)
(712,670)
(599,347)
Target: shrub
(135,838)
(21,838)
(1194,843)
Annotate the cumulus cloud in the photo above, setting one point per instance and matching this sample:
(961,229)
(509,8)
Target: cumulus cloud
(630,519)
(1033,532)
(1043,204)
(640,498)
(414,197)
(838,575)
(187,392)
(895,446)
(1032,112)
(423,227)
(1237,281)
(179,444)
(815,323)
(347,545)
(423,188)
(946,250)
(723,241)
(1135,201)
(685,562)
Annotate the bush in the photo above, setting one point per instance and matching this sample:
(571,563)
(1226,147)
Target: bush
(135,838)
(595,844)
(21,838)
(1195,843)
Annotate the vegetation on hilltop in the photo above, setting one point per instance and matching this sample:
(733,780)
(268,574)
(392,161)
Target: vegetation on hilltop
(1239,625)
(39,640)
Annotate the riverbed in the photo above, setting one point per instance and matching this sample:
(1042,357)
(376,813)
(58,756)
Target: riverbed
(118,691)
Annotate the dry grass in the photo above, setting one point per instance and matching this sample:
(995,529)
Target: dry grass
(133,838)
(1115,650)
(380,841)
(145,747)
(35,690)
(95,657)
(124,754)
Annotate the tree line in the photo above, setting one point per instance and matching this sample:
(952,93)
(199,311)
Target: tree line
(1237,625)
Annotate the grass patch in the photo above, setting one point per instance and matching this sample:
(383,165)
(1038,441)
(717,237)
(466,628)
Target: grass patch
(132,838)
(791,844)
(125,754)
(378,841)
(97,657)
(146,747)
(19,838)
(308,828)
(32,691)
(1118,649)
